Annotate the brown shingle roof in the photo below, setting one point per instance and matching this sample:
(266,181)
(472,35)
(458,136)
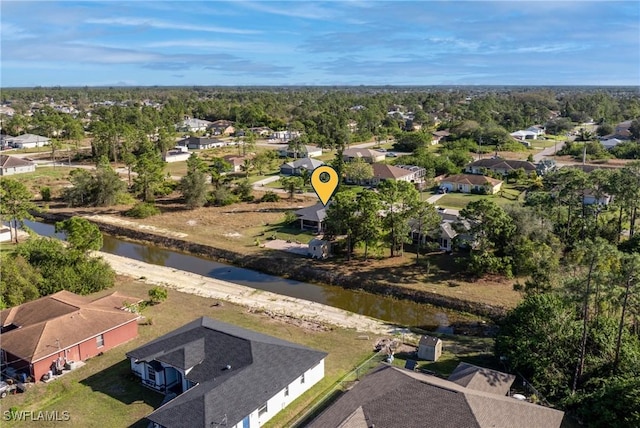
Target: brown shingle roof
(472,179)
(506,164)
(384,171)
(13,162)
(60,320)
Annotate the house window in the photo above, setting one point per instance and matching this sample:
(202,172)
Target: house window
(262,409)
(100,341)
(151,375)
(286,391)
(302,378)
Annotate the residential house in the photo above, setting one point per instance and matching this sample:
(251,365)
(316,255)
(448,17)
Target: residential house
(235,161)
(48,333)
(10,165)
(395,397)
(177,154)
(429,348)
(545,166)
(201,143)
(312,218)
(367,155)
(190,124)
(222,127)
(284,135)
(439,137)
(261,131)
(622,131)
(499,166)
(610,143)
(524,135)
(4,141)
(471,183)
(539,130)
(592,199)
(382,172)
(28,141)
(302,152)
(447,236)
(223,375)
(295,167)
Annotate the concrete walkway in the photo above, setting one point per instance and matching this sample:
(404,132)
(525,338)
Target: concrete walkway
(192,283)
(433,199)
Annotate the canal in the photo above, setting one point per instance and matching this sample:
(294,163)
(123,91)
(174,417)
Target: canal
(381,307)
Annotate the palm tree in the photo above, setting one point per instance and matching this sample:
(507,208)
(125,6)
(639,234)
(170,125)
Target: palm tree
(246,166)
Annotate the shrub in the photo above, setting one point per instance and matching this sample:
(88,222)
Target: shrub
(222,197)
(157,295)
(124,198)
(142,210)
(290,217)
(46,194)
(270,197)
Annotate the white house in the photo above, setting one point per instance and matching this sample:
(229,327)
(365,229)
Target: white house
(223,375)
(178,154)
(10,165)
(193,125)
(28,141)
(304,152)
(296,167)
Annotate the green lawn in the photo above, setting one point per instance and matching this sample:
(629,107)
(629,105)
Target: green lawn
(460,200)
(104,394)
(455,349)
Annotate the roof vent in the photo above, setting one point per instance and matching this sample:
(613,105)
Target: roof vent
(228,367)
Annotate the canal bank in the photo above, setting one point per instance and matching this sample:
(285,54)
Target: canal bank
(294,267)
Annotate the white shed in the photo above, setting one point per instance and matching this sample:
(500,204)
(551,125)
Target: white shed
(319,249)
(429,348)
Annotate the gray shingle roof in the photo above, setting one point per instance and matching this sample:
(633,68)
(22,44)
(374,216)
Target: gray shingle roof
(391,397)
(261,366)
(317,212)
(482,379)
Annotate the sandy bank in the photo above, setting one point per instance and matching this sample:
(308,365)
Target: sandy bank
(188,282)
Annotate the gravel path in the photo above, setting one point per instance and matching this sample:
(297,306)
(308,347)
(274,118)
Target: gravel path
(188,282)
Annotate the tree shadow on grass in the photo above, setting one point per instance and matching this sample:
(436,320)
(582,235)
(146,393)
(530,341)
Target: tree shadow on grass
(118,382)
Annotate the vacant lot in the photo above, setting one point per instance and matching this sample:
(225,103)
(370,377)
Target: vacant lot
(103,394)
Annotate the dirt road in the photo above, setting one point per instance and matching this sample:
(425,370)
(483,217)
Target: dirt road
(188,282)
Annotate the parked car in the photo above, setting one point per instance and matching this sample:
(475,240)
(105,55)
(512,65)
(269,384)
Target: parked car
(391,155)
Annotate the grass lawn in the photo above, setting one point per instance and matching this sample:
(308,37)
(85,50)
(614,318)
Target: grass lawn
(55,178)
(176,168)
(455,349)
(460,200)
(103,394)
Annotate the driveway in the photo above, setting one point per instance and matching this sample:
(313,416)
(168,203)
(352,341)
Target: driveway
(549,151)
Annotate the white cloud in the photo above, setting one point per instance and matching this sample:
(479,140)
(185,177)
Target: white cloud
(256,47)
(9,31)
(166,25)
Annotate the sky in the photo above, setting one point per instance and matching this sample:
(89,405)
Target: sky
(355,42)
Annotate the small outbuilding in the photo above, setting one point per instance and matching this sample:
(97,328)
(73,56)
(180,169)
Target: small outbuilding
(429,348)
(319,249)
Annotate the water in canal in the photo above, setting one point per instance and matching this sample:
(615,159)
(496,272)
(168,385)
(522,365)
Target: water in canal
(385,308)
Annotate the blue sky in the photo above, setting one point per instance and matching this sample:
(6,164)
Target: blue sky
(355,42)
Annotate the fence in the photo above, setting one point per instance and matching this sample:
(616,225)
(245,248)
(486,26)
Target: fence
(337,389)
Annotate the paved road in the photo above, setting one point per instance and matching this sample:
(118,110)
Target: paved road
(549,151)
